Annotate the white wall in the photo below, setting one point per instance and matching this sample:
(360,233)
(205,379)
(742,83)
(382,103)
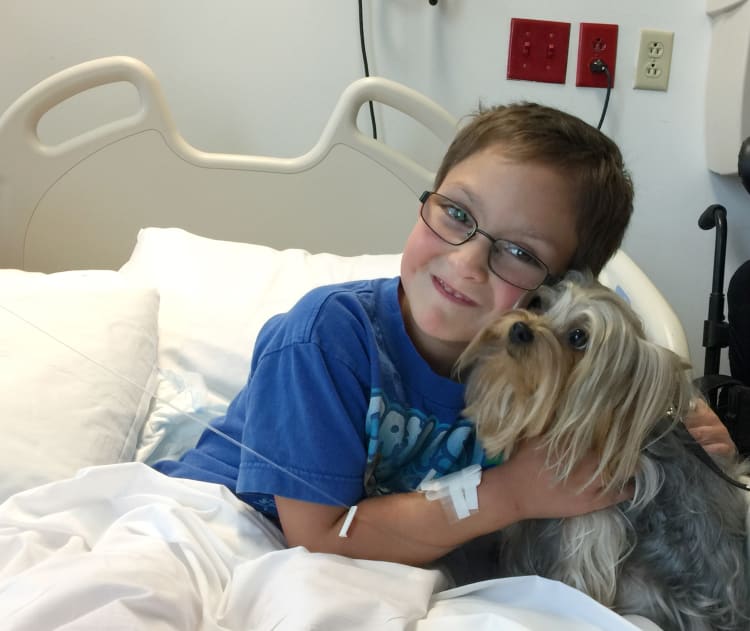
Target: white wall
(254,77)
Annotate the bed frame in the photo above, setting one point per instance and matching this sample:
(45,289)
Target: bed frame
(51,192)
(79,203)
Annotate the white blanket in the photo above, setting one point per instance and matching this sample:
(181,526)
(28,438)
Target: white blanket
(124,547)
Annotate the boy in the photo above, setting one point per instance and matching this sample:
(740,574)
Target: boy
(350,398)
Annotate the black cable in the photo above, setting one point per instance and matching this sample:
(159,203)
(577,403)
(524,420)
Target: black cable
(598,66)
(367,69)
(697,450)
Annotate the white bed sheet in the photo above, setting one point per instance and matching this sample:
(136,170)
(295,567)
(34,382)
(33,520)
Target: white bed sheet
(124,547)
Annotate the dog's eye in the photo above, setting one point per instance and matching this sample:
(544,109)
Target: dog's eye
(578,339)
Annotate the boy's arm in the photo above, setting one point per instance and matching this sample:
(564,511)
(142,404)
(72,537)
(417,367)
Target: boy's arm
(409,528)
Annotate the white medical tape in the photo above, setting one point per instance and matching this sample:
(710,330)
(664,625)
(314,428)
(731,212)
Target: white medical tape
(344,532)
(459,487)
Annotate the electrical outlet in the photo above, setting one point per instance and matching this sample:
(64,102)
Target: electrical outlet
(654,60)
(538,50)
(596,41)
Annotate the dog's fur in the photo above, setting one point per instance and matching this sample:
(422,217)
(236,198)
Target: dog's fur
(577,370)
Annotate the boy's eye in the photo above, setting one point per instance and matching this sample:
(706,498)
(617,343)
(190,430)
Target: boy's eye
(457,214)
(517,254)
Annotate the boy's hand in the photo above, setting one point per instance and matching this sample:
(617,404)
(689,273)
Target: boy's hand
(539,494)
(709,431)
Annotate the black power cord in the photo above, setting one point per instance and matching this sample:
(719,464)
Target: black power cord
(598,67)
(367,69)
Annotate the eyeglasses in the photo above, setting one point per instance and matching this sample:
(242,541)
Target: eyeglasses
(456,225)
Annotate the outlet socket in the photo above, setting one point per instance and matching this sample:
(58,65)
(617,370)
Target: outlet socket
(538,50)
(654,60)
(596,41)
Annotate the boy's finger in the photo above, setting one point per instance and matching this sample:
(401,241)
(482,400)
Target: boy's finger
(719,448)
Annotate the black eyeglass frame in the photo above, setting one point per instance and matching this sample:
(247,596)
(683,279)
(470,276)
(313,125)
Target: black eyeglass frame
(548,279)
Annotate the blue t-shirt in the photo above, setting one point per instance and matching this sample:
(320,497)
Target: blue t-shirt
(339,405)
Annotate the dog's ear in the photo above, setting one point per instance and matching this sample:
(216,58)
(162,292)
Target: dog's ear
(662,382)
(613,404)
(660,385)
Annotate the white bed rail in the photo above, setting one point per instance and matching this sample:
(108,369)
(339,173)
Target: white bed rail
(70,190)
(660,322)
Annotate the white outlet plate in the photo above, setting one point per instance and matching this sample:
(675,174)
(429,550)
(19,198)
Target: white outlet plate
(654,60)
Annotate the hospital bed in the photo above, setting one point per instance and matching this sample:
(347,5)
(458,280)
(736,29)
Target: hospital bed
(135,273)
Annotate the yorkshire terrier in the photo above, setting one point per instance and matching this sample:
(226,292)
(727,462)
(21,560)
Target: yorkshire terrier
(575,368)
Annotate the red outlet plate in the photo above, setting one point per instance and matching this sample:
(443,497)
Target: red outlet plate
(538,50)
(596,41)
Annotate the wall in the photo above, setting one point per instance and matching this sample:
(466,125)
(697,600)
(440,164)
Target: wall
(261,78)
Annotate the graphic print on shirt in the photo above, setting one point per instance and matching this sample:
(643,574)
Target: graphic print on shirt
(404,445)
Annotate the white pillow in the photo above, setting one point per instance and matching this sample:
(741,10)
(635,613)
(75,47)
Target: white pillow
(215,296)
(59,410)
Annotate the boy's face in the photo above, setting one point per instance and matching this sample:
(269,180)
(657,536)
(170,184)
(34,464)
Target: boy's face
(449,292)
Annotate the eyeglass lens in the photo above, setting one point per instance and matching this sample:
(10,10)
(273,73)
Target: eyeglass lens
(455,225)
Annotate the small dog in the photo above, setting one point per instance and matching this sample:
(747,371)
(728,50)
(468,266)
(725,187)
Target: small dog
(575,368)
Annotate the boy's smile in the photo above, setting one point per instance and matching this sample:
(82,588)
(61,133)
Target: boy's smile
(448,292)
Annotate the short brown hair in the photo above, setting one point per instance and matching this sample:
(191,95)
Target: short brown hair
(529,132)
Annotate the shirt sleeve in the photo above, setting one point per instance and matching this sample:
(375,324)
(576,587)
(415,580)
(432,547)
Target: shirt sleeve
(305,407)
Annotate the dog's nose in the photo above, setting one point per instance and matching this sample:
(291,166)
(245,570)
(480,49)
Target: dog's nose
(521,333)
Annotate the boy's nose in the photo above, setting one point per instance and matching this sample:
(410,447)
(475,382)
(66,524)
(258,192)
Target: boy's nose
(471,258)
